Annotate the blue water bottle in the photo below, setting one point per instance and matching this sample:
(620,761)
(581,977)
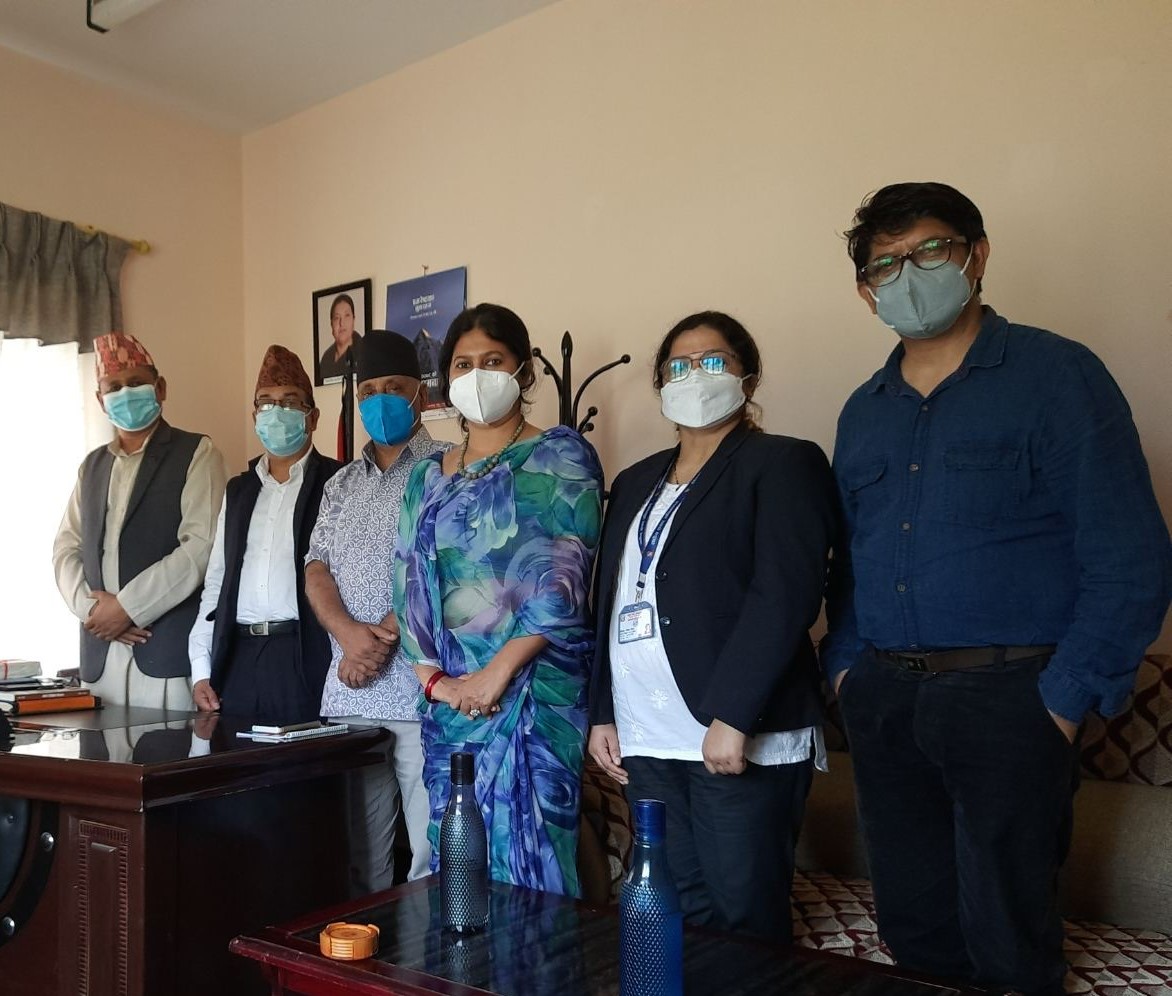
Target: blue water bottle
(651,926)
(463,852)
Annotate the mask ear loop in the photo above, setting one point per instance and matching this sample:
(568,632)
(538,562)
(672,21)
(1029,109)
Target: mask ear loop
(418,420)
(532,383)
(534,370)
(973,286)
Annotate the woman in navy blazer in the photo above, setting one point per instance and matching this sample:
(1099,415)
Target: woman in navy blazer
(705,688)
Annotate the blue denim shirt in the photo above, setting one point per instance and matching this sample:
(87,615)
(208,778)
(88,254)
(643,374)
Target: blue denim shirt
(1011,506)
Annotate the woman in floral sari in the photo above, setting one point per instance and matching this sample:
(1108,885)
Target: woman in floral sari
(496,544)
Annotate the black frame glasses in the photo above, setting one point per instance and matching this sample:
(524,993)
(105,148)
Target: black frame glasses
(931,254)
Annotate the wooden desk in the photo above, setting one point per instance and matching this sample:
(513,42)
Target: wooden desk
(539,944)
(167,836)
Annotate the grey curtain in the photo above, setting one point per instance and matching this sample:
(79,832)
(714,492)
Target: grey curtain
(58,283)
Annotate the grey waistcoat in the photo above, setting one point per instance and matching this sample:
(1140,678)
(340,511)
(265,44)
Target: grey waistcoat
(150,532)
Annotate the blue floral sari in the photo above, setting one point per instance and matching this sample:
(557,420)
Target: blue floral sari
(481,562)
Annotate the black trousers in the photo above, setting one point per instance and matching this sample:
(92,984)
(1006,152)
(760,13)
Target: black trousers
(965,790)
(730,839)
(263,681)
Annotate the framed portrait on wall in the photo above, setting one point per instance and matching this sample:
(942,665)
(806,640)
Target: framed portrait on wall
(341,315)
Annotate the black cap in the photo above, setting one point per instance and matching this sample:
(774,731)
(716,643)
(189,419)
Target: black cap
(463,768)
(385,354)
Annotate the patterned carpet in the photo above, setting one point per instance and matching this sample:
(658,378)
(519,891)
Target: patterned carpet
(838,914)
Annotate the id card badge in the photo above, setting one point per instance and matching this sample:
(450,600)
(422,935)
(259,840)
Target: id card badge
(637,622)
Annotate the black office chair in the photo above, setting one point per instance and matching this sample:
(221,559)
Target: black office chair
(28,840)
(14,814)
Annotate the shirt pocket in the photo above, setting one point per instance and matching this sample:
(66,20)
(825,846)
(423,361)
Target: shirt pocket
(865,488)
(860,476)
(982,484)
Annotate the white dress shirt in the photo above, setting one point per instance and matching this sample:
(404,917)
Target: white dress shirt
(268,576)
(652,717)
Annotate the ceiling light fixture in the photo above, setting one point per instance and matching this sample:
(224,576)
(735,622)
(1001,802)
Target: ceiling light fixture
(102,15)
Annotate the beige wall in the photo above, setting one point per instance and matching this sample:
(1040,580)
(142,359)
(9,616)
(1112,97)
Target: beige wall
(608,166)
(80,152)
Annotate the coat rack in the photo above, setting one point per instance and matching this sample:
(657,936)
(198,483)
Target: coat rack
(567,398)
(346,424)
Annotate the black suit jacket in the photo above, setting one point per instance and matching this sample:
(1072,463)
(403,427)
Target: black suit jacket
(739,580)
(240,497)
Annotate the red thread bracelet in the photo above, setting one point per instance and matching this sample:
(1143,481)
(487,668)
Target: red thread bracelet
(431,683)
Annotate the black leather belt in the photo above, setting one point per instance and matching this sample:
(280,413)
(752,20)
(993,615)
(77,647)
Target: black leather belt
(934,661)
(267,628)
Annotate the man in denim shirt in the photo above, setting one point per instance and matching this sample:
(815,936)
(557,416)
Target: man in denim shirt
(1004,568)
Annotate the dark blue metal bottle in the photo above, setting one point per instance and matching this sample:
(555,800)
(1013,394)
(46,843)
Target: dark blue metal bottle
(463,853)
(651,926)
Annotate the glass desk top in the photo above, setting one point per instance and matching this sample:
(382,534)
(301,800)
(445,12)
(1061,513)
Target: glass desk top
(539,944)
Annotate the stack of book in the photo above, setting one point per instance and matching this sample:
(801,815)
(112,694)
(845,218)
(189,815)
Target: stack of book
(27,701)
(16,668)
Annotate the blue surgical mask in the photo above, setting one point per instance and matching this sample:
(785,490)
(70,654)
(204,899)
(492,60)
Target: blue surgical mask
(387,418)
(132,408)
(282,431)
(920,304)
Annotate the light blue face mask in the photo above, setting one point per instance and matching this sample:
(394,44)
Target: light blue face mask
(920,304)
(387,418)
(132,408)
(281,431)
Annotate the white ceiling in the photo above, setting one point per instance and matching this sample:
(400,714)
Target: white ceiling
(243,64)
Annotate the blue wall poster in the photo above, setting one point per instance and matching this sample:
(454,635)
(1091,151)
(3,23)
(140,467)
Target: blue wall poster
(421,309)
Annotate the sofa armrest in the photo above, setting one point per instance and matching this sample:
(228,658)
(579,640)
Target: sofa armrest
(1120,865)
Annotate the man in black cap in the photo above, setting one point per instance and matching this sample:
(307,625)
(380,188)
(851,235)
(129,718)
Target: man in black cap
(348,579)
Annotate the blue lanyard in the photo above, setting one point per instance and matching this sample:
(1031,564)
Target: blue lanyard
(648,545)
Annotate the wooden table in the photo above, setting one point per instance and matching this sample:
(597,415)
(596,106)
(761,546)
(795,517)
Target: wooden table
(538,944)
(157,837)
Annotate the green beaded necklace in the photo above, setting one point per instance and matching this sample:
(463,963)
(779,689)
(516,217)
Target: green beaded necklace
(489,461)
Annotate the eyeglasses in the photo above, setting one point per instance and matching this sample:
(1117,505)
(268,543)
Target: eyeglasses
(713,361)
(286,404)
(931,254)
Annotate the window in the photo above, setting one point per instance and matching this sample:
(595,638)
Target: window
(49,420)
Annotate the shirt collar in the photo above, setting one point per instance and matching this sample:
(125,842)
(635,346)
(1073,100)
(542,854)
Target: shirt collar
(987,350)
(296,471)
(115,444)
(415,449)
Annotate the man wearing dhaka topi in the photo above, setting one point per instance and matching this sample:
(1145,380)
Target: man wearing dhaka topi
(134,543)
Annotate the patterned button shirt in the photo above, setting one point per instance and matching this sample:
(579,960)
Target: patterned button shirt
(355,537)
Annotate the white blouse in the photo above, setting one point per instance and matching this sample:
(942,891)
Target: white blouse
(652,717)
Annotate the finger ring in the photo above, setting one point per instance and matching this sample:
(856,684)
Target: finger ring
(474,713)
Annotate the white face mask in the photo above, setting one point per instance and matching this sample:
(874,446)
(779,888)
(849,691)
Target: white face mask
(485,396)
(701,399)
